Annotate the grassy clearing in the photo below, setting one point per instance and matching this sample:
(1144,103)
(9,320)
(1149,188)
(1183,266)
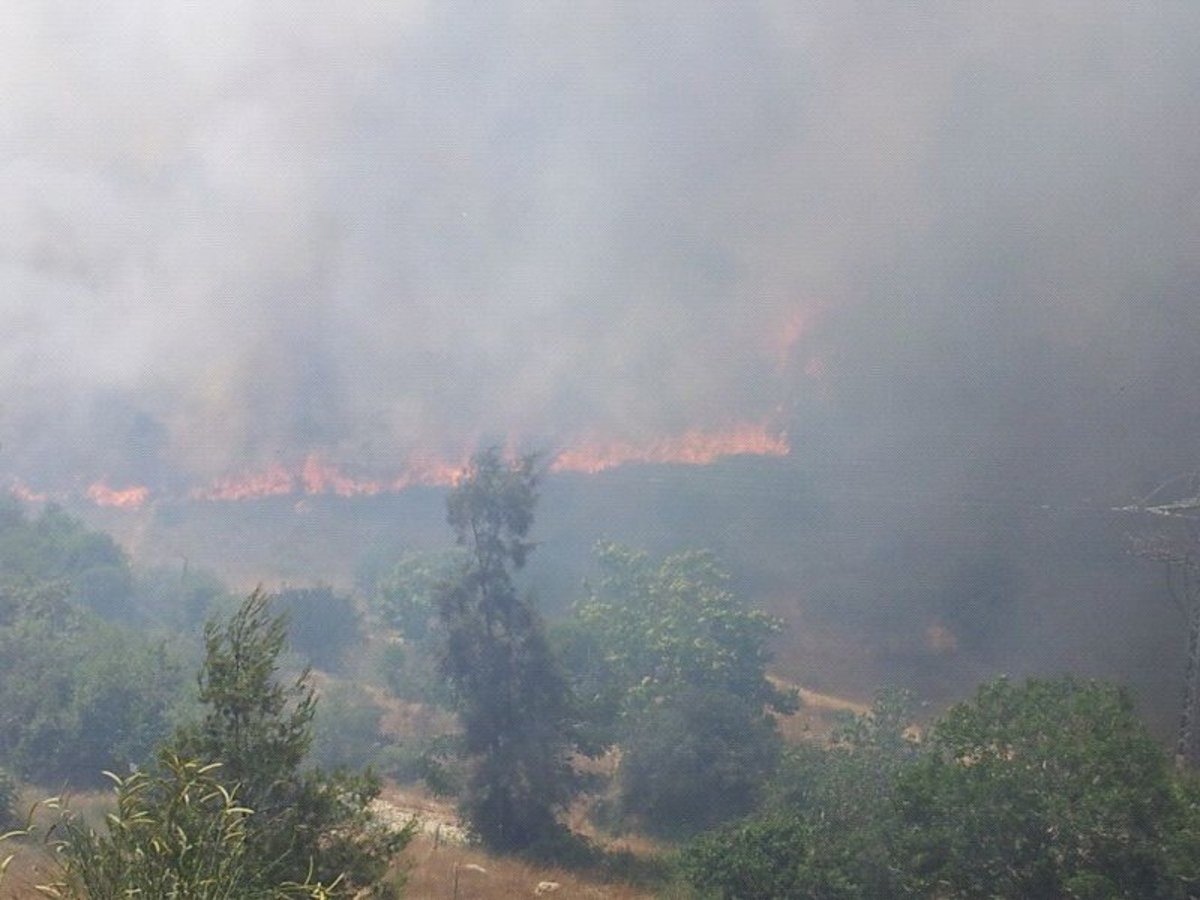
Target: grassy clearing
(32,862)
(455,872)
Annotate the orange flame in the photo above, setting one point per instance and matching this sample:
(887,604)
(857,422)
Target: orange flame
(692,448)
(123,498)
(274,481)
(315,475)
(26,494)
(428,472)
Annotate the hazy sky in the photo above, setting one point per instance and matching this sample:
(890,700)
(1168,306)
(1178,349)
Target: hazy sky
(241,231)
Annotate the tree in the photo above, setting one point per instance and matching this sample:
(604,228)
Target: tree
(663,628)
(828,825)
(1048,789)
(511,696)
(78,695)
(695,761)
(305,823)
(671,664)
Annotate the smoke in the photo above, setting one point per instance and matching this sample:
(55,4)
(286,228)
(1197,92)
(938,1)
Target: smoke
(948,239)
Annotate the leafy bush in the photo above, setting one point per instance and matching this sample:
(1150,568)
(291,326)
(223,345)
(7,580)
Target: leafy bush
(178,599)
(177,832)
(405,596)
(345,728)
(1051,788)
(669,663)
(77,695)
(409,671)
(694,761)
(57,547)
(1048,789)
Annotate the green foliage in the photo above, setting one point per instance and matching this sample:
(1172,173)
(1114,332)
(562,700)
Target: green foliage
(260,730)
(512,698)
(671,664)
(78,695)
(848,783)
(661,629)
(827,827)
(55,546)
(839,796)
(694,761)
(180,599)
(404,598)
(402,603)
(1049,789)
(177,832)
(345,728)
(322,624)
(410,671)
(1183,834)
(761,858)
(436,762)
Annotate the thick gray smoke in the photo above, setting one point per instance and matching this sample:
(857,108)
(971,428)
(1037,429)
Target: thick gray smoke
(240,231)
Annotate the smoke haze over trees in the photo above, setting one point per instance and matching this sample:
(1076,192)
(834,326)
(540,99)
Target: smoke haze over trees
(934,267)
(955,241)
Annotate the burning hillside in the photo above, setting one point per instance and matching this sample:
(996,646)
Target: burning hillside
(315,476)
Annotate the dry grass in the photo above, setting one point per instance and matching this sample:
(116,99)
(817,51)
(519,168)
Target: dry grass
(450,872)
(32,861)
(434,868)
(818,713)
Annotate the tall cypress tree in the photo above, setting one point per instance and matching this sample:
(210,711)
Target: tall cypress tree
(512,697)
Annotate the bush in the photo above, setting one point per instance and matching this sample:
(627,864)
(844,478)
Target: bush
(181,600)
(57,547)
(1051,788)
(695,761)
(177,832)
(345,728)
(1048,789)
(78,695)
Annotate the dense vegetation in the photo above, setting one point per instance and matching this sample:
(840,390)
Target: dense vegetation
(1043,790)
(1046,789)
(228,809)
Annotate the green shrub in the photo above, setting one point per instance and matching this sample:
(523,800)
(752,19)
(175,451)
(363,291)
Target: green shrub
(345,728)
(79,695)
(695,761)
(177,831)
(1050,788)
(306,822)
